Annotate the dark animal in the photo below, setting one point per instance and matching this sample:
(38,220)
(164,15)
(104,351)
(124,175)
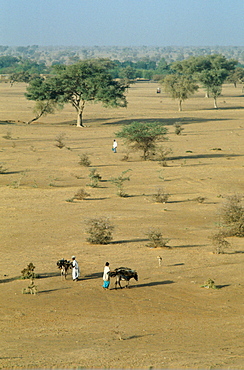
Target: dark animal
(64,265)
(123,273)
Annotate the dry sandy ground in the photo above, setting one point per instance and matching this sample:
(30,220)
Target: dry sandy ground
(166,320)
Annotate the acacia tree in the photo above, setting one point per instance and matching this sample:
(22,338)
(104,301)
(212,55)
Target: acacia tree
(86,81)
(210,70)
(180,87)
(142,135)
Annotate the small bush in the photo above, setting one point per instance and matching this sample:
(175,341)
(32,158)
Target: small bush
(156,239)
(178,128)
(219,242)
(119,183)
(160,196)
(59,141)
(2,169)
(84,160)
(99,230)
(125,158)
(94,178)
(8,135)
(162,156)
(209,284)
(81,194)
(232,216)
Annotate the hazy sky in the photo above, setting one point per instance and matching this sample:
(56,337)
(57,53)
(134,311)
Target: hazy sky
(122,22)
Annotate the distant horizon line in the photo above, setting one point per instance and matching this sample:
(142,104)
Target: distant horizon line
(128,46)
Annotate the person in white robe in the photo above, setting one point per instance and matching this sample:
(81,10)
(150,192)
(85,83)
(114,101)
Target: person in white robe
(75,269)
(106,277)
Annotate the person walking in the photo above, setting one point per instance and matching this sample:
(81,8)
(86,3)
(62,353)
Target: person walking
(115,145)
(106,277)
(75,269)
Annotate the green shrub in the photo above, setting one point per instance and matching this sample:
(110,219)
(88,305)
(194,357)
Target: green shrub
(94,178)
(156,239)
(119,183)
(99,230)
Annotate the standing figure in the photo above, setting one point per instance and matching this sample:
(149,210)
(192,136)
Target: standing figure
(75,269)
(115,145)
(106,277)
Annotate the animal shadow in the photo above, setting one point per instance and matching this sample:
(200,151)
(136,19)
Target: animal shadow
(153,283)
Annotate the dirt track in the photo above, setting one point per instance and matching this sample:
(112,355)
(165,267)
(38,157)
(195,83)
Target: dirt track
(166,320)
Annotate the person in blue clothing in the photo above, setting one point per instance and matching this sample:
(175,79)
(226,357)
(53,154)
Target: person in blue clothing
(106,277)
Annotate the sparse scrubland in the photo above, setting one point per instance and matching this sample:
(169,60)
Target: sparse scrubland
(165,320)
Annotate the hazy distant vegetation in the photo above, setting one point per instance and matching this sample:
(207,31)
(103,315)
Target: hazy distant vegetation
(146,61)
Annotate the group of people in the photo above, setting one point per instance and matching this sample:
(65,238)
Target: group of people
(76,273)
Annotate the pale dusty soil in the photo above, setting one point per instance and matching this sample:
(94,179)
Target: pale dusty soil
(166,320)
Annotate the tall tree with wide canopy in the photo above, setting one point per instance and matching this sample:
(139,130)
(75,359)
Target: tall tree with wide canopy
(86,81)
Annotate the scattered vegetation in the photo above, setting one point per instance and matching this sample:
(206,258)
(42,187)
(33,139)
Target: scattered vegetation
(2,168)
(199,199)
(178,128)
(219,242)
(28,273)
(119,183)
(81,194)
(94,178)
(84,160)
(99,230)
(209,284)
(156,239)
(162,156)
(160,196)
(8,135)
(60,141)
(232,216)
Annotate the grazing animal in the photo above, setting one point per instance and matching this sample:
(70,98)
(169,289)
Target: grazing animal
(64,265)
(123,273)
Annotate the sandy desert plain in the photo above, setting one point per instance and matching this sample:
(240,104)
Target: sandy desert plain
(166,320)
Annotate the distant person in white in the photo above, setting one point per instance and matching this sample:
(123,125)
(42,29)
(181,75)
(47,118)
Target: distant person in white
(115,145)
(75,269)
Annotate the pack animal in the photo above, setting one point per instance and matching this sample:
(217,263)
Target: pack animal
(123,273)
(64,266)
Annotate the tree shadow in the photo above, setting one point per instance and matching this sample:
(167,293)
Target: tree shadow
(7,122)
(51,290)
(9,280)
(137,336)
(225,108)
(166,121)
(128,241)
(199,156)
(235,252)
(45,275)
(97,198)
(222,286)
(189,246)
(10,172)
